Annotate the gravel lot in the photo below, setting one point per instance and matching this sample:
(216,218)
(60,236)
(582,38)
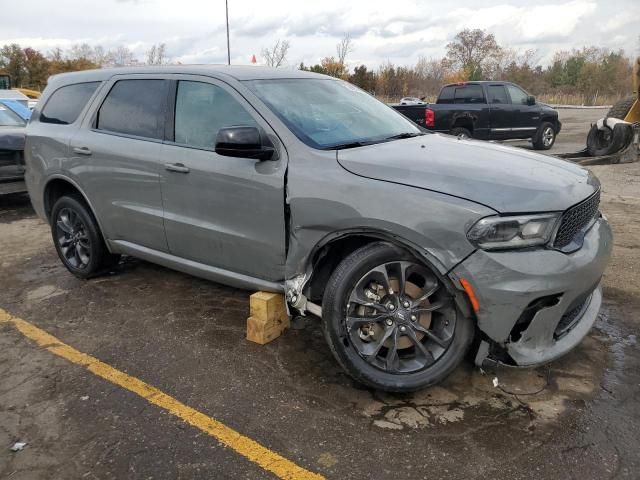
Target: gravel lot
(577,418)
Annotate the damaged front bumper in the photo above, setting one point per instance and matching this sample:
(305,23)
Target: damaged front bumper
(536,305)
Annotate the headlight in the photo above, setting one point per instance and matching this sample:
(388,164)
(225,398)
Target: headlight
(498,233)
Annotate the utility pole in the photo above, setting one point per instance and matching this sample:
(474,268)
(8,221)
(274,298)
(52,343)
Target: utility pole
(226,4)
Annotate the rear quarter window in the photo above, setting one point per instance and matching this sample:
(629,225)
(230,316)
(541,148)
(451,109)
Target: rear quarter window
(66,103)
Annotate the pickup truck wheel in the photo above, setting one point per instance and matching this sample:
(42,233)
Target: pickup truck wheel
(391,322)
(77,238)
(460,132)
(545,137)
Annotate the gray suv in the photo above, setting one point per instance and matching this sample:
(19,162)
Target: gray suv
(410,246)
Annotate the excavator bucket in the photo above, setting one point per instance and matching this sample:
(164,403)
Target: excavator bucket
(633,116)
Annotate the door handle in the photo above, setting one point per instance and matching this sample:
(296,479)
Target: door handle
(176,167)
(81,150)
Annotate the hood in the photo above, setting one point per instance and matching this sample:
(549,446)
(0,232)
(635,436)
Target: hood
(546,106)
(506,179)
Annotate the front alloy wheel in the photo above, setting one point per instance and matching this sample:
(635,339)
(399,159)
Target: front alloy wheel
(399,318)
(391,322)
(545,137)
(548,136)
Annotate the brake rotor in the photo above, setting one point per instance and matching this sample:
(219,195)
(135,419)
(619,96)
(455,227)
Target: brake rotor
(374,331)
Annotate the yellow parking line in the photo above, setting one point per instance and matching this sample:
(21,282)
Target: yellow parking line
(252,450)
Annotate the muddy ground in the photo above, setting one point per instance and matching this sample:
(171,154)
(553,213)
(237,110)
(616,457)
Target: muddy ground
(578,418)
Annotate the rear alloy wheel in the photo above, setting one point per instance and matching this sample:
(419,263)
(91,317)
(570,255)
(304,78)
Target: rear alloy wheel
(73,239)
(545,137)
(77,238)
(391,322)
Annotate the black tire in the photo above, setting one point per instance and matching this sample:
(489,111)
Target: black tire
(461,132)
(77,238)
(545,137)
(621,108)
(339,292)
(609,141)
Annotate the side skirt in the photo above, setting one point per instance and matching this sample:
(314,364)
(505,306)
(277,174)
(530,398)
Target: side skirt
(197,269)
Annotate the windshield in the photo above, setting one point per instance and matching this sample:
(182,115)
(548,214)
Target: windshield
(10,119)
(330,114)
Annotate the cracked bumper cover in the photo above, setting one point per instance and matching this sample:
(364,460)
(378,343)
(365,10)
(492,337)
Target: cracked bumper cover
(507,282)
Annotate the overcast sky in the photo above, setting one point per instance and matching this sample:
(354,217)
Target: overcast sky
(396,30)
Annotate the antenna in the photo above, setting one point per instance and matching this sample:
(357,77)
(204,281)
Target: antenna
(226,4)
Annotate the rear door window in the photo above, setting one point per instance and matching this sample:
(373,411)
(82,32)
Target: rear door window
(469,94)
(66,103)
(134,107)
(498,94)
(202,109)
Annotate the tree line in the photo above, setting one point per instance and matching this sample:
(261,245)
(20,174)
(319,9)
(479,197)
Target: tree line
(590,75)
(31,68)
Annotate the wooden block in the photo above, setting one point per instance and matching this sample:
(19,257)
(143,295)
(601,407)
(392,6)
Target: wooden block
(268,306)
(263,332)
(268,317)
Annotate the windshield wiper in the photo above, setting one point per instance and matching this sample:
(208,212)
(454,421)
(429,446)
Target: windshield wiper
(363,143)
(343,146)
(405,135)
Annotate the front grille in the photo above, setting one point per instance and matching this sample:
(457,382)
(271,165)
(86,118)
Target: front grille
(575,219)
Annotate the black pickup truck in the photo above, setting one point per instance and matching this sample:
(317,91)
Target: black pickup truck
(487,111)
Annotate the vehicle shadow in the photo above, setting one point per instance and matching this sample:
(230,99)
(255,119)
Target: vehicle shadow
(15,206)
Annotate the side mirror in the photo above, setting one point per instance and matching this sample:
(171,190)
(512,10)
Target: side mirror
(531,100)
(242,142)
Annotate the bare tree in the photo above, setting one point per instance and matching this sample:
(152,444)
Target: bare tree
(151,55)
(56,55)
(344,48)
(100,56)
(121,56)
(81,51)
(276,56)
(430,74)
(157,54)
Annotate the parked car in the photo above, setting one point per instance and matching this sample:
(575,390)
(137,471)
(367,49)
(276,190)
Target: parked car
(15,96)
(13,122)
(412,101)
(488,111)
(408,244)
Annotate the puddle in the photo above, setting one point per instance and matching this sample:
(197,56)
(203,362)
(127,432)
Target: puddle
(540,394)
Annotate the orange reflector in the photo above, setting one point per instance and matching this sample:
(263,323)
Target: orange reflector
(472,295)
